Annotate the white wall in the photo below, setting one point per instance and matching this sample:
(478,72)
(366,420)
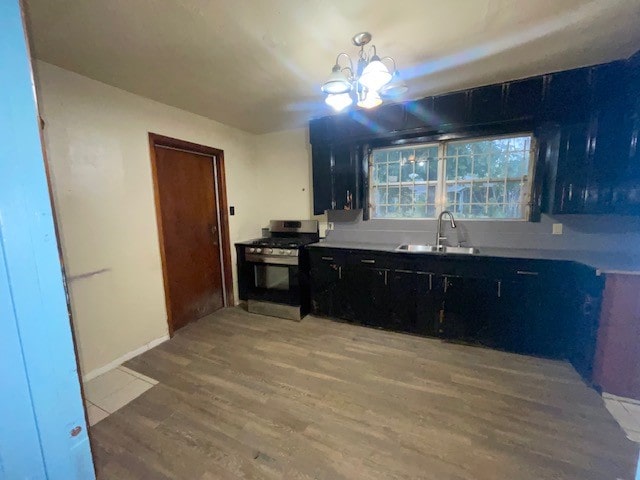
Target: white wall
(96,138)
(285,175)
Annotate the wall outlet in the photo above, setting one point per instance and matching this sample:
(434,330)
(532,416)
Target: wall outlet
(556,229)
(329,225)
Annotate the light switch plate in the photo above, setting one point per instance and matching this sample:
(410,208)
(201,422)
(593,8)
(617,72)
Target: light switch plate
(556,229)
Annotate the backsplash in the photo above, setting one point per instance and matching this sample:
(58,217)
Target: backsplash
(580,233)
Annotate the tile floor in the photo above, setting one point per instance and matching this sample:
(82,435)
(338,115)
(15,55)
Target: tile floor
(626,411)
(113,390)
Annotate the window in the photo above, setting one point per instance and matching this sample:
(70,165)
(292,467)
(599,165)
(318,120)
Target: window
(482,178)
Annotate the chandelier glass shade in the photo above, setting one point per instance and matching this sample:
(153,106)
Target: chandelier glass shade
(368,83)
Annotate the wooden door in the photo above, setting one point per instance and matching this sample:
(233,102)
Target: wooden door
(188,210)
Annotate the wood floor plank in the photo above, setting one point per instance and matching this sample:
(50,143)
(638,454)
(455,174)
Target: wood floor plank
(244,396)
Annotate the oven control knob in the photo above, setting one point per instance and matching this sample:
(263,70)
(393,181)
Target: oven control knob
(258,250)
(287,252)
(251,250)
(268,250)
(281,251)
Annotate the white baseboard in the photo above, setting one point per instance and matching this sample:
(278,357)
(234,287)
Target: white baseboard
(120,360)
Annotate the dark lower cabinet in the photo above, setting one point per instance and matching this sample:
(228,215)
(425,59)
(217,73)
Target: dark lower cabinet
(531,322)
(326,284)
(469,308)
(415,300)
(534,307)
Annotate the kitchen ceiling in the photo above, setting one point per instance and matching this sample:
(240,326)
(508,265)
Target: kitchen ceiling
(258,64)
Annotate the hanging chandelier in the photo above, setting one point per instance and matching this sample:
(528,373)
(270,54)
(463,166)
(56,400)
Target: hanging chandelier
(369,83)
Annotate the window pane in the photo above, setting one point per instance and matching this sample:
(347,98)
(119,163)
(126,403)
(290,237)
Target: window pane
(379,157)
(379,195)
(482,178)
(480,166)
(490,179)
(394,172)
(406,172)
(393,195)
(421,172)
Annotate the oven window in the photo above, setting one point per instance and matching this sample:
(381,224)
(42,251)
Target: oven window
(272,277)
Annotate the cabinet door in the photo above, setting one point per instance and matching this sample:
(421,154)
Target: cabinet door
(429,304)
(485,104)
(533,317)
(420,115)
(321,165)
(469,304)
(571,177)
(367,290)
(412,304)
(403,294)
(523,98)
(344,176)
(567,96)
(325,278)
(451,109)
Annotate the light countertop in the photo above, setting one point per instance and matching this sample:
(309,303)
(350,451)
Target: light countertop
(603,262)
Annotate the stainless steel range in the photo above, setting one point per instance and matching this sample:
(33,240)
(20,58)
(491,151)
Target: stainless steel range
(272,274)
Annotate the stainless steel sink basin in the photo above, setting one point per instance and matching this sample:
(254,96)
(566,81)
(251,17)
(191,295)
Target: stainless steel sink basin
(433,249)
(416,248)
(461,250)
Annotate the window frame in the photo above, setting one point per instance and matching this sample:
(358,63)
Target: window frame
(440,202)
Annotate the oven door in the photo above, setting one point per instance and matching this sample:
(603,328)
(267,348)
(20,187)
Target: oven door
(274,283)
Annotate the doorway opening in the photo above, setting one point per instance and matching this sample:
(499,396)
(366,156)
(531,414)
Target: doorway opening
(193,228)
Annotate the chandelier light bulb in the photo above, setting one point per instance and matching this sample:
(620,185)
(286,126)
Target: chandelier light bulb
(337,82)
(375,75)
(339,101)
(370,100)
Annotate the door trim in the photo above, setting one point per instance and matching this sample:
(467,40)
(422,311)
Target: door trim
(217,157)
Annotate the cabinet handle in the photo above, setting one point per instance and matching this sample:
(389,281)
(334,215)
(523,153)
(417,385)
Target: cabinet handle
(430,282)
(339,273)
(368,261)
(329,259)
(446,284)
(499,288)
(525,272)
(404,271)
(386,279)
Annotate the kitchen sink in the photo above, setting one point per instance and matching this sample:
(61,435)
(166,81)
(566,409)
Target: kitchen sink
(416,248)
(433,249)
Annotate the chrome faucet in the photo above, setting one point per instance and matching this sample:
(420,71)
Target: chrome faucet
(439,237)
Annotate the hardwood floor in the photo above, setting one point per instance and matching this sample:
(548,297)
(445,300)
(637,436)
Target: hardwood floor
(247,396)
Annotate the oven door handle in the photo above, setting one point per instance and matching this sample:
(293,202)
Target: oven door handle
(266,260)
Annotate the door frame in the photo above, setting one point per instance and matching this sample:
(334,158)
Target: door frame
(217,158)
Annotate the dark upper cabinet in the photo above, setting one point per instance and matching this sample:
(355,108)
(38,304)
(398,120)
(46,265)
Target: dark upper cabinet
(388,120)
(420,115)
(345,177)
(486,104)
(567,96)
(319,131)
(451,109)
(523,98)
(590,162)
(608,83)
(337,177)
(322,183)
(571,170)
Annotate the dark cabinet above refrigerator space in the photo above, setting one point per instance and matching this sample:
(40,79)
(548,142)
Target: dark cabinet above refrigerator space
(586,122)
